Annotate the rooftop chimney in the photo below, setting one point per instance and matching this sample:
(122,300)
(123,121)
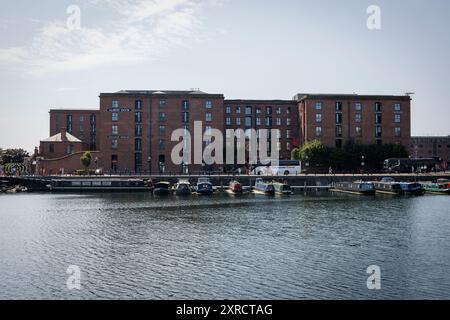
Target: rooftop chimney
(63,134)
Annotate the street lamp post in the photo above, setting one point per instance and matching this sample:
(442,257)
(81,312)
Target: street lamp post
(362,164)
(149,160)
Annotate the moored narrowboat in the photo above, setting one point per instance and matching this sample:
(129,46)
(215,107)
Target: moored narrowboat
(442,186)
(282,188)
(235,187)
(204,186)
(263,187)
(162,188)
(100,185)
(388,185)
(357,187)
(183,188)
(414,188)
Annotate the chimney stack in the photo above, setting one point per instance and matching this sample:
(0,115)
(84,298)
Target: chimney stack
(63,134)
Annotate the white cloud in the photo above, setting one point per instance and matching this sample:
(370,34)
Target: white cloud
(143,31)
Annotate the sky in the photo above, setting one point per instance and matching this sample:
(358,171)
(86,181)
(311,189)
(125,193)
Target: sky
(245,49)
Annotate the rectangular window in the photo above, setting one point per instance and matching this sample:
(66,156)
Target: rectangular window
(358,117)
(115,104)
(288,146)
(288,121)
(358,131)
(162,145)
(248,122)
(208,117)
(278,110)
(138,162)
(258,121)
(114,130)
(185,117)
(52,148)
(288,134)
(162,130)
(81,118)
(318,131)
(114,116)
(69,123)
(338,106)
(268,122)
(378,106)
(278,121)
(162,116)
(208,104)
(258,110)
(248,111)
(398,132)
(278,134)
(81,127)
(228,110)
(228,121)
(318,117)
(288,110)
(378,118)
(338,118)
(397,107)
(208,130)
(138,144)
(138,104)
(338,131)
(398,118)
(138,117)
(185,105)
(114,143)
(358,106)
(268,110)
(238,109)
(138,130)
(162,103)
(238,121)
(378,131)
(318,105)
(338,143)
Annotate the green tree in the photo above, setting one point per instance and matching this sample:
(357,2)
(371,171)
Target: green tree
(295,154)
(13,156)
(86,160)
(314,153)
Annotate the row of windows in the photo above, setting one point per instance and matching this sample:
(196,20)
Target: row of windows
(358,118)
(358,106)
(258,110)
(162,104)
(359,131)
(421,146)
(248,121)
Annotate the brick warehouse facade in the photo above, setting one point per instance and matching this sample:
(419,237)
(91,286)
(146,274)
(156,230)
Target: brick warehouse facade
(131,131)
(432,147)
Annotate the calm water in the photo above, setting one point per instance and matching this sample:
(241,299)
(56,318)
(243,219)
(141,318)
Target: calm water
(139,247)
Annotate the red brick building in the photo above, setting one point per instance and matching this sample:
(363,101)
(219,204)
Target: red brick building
(431,147)
(81,123)
(336,119)
(131,131)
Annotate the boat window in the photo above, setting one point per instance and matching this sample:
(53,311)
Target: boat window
(76,183)
(106,183)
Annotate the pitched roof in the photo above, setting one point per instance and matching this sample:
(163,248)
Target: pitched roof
(58,138)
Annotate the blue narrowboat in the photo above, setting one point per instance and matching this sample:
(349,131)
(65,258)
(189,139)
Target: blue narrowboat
(263,187)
